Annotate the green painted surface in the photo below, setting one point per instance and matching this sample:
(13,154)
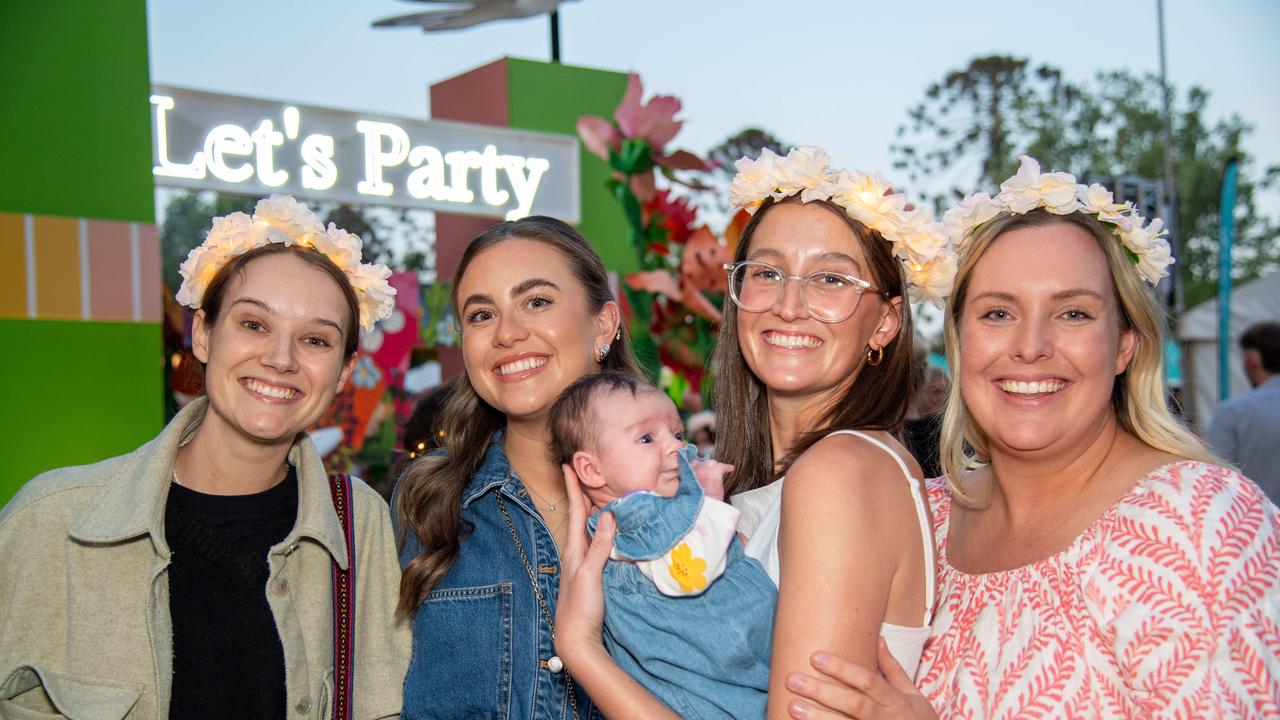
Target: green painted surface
(75,393)
(75,132)
(551,98)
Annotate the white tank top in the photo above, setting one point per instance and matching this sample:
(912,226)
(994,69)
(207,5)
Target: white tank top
(762,517)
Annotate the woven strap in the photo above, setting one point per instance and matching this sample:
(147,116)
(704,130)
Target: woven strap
(344,601)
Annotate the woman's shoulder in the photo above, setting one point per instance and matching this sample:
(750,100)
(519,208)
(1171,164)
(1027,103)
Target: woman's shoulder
(854,472)
(1211,506)
(65,489)
(854,452)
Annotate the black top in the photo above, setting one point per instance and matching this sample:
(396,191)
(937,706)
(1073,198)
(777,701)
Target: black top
(227,657)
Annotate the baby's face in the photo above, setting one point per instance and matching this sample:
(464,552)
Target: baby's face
(638,441)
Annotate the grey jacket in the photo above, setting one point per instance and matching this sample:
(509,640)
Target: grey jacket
(85,630)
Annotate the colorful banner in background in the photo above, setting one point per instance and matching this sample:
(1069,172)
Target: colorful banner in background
(55,268)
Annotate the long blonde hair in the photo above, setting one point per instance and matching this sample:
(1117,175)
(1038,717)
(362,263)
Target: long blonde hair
(1139,393)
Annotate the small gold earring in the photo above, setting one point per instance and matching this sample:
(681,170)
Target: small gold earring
(875,355)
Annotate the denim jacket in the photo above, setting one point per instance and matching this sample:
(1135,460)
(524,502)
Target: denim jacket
(687,613)
(480,641)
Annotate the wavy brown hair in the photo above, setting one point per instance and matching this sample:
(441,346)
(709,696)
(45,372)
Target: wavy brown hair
(876,399)
(428,499)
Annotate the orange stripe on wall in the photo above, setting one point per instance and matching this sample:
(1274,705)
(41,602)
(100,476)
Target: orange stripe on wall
(13,267)
(57,243)
(149,255)
(110,271)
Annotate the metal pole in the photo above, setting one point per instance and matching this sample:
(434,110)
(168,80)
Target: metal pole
(555,36)
(1226,231)
(1170,182)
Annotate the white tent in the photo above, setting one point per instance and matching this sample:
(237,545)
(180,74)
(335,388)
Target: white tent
(1252,302)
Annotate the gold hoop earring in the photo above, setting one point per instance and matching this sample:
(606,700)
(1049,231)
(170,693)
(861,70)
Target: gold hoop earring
(875,355)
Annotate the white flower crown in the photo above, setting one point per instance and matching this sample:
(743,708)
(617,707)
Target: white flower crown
(282,219)
(929,261)
(1060,194)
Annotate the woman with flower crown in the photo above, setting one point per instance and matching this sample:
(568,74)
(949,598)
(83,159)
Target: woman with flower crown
(1094,559)
(216,572)
(813,374)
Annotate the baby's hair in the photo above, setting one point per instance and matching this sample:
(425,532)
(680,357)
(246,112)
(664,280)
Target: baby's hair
(570,416)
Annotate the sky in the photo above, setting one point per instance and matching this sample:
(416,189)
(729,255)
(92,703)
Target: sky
(836,74)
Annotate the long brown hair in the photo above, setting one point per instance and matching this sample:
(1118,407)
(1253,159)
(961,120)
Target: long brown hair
(877,399)
(429,495)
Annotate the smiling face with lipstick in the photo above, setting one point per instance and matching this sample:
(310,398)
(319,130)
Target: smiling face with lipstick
(527,328)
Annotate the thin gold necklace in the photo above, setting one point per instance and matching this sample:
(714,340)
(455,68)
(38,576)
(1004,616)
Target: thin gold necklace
(551,506)
(554,664)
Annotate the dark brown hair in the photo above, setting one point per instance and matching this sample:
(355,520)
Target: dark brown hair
(877,397)
(215,293)
(571,414)
(1264,337)
(429,496)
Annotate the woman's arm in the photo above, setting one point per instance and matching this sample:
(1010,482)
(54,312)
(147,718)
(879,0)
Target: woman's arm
(845,690)
(848,523)
(580,617)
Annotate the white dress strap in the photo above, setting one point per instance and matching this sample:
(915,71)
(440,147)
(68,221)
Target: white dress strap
(922,517)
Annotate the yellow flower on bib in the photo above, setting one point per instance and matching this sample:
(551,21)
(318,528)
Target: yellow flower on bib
(688,571)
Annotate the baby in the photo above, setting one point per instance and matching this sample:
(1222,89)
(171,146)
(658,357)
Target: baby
(687,614)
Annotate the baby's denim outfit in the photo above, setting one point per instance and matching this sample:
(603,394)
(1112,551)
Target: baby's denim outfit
(687,613)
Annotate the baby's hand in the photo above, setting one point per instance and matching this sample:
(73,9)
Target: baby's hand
(710,475)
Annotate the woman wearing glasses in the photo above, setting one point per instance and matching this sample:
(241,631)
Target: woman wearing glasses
(813,374)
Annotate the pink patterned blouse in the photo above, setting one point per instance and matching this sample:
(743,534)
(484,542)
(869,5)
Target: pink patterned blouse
(1167,606)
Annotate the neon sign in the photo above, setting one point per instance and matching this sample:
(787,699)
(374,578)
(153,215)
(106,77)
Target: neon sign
(219,142)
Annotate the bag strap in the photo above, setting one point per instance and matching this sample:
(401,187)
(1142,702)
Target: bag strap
(344,600)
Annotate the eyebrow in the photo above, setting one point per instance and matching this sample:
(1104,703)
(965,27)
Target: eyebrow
(522,288)
(1060,295)
(830,256)
(267,309)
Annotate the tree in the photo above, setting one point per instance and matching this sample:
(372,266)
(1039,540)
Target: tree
(747,143)
(967,133)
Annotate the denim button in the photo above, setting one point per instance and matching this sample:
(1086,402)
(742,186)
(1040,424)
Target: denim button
(555,665)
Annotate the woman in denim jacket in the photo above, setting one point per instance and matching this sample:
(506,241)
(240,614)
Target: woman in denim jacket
(481,524)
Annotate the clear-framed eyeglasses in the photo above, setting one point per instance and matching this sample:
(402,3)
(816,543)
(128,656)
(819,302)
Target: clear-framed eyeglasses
(829,296)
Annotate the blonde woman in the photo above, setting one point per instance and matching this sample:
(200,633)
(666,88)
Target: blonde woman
(1095,560)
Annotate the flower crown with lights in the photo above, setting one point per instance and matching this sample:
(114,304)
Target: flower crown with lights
(282,219)
(1060,194)
(928,260)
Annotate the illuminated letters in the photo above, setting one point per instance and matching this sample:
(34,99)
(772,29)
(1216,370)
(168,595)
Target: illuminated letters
(252,146)
(526,186)
(376,160)
(428,180)
(265,141)
(319,172)
(228,139)
(194,170)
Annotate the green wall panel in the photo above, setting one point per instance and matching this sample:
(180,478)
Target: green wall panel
(75,393)
(551,98)
(75,132)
